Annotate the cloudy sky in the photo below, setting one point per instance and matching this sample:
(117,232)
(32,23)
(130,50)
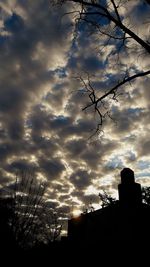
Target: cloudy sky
(42,125)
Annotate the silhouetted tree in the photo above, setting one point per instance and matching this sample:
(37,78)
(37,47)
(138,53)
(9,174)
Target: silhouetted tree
(88,208)
(28,200)
(106,19)
(30,220)
(108,200)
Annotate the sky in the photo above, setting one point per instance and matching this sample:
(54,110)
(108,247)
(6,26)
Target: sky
(42,125)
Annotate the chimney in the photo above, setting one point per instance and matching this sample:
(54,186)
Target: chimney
(130,194)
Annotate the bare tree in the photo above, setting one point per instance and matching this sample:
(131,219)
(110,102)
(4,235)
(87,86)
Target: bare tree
(106,19)
(49,224)
(31,220)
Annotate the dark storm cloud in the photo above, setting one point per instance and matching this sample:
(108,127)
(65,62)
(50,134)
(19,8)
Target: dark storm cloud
(61,123)
(90,154)
(75,147)
(80,179)
(14,24)
(144,146)
(5,150)
(23,70)
(21,166)
(16,129)
(17,149)
(53,168)
(95,153)
(87,200)
(83,56)
(63,126)
(47,147)
(88,63)
(10,98)
(78,128)
(38,121)
(127,119)
(76,100)
(91,64)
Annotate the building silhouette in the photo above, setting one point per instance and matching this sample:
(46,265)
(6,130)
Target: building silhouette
(128,220)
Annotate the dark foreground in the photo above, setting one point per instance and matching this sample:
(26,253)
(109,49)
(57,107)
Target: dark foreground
(108,253)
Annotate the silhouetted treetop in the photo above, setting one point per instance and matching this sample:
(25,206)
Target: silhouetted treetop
(26,218)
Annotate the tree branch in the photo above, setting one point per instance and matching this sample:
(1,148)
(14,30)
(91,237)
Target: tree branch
(117,22)
(116,10)
(112,91)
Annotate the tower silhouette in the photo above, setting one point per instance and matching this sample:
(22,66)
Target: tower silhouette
(126,220)
(130,194)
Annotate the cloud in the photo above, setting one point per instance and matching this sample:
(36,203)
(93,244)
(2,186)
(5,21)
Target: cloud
(144,146)
(42,125)
(52,168)
(75,147)
(80,179)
